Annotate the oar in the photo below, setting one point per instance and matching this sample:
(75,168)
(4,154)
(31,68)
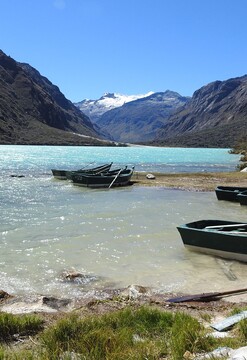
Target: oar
(205,296)
(84,167)
(115,178)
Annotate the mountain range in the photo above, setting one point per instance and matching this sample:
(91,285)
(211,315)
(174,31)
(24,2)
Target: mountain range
(34,111)
(215,116)
(139,120)
(95,108)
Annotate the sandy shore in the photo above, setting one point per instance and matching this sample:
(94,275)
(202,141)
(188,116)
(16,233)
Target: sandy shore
(192,181)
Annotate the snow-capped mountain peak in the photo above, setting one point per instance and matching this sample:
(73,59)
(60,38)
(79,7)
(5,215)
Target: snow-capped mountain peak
(95,108)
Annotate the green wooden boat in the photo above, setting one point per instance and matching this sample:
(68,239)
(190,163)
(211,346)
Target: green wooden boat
(221,238)
(229,193)
(242,198)
(121,177)
(66,174)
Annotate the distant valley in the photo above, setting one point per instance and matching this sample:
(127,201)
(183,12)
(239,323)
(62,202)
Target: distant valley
(215,116)
(34,111)
(137,120)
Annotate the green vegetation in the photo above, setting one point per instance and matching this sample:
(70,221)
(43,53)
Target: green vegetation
(11,325)
(240,147)
(130,333)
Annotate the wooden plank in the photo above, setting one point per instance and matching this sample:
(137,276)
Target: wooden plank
(229,322)
(206,296)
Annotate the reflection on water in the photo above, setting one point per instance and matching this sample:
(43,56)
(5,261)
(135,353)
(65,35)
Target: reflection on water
(116,238)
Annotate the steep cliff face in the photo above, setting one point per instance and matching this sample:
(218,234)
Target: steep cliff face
(34,111)
(215,116)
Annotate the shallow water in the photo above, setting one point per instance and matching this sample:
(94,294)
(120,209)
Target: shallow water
(114,237)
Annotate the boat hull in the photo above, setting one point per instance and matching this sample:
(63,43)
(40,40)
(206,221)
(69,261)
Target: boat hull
(102,180)
(226,244)
(229,193)
(66,174)
(59,174)
(242,198)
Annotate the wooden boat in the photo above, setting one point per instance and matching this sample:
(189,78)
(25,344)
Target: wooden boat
(103,180)
(66,174)
(104,171)
(242,198)
(229,193)
(221,238)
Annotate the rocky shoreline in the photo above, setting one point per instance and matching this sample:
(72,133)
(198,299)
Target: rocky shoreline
(51,310)
(101,301)
(191,181)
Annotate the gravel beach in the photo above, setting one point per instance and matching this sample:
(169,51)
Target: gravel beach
(192,181)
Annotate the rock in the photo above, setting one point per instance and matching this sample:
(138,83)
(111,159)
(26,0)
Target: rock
(78,278)
(4,295)
(218,353)
(55,303)
(188,355)
(134,291)
(19,306)
(72,275)
(150,176)
(239,354)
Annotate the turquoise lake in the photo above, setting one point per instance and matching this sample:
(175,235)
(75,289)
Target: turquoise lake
(115,237)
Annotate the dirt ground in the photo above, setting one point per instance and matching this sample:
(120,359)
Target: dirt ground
(192,181)
(207,313)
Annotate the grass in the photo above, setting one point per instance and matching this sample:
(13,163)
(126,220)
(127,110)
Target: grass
(143,333)
(11,325)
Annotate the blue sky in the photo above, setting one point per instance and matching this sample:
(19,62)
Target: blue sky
(89,47)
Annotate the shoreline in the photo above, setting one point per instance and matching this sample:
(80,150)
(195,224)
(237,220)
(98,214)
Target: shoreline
(205,181)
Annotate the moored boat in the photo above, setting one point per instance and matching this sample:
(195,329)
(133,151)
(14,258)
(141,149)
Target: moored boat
(221,238)
(119,177)
(229,193)
(66,174)
(242,198)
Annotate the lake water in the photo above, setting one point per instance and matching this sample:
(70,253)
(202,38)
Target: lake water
(114,237)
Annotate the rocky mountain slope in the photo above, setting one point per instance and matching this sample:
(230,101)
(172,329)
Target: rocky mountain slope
(34,111)
(139,120)
(216,116)
(95,108)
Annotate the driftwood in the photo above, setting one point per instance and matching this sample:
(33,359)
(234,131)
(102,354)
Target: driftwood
(206,296)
